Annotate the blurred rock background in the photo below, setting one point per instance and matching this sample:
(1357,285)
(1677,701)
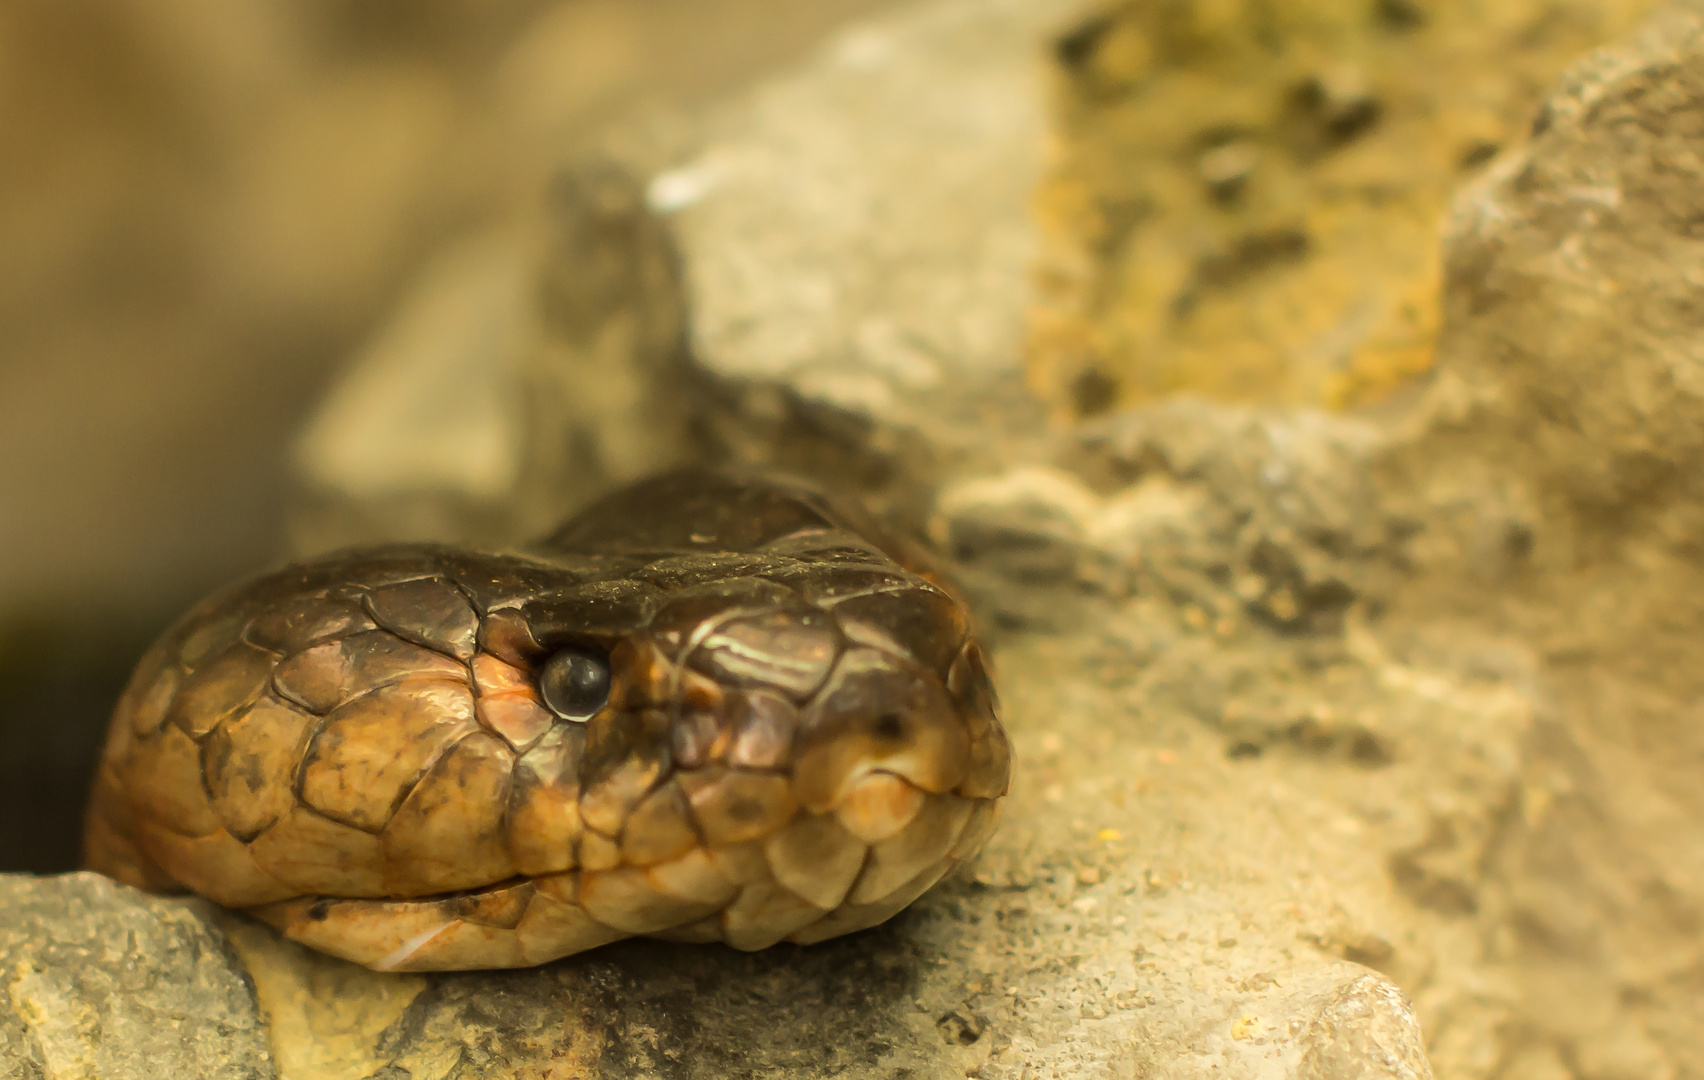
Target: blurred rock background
(204,208)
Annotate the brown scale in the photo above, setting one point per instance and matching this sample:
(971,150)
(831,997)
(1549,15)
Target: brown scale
(787,732)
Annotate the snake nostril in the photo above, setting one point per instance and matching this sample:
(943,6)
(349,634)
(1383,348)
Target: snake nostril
(889,727)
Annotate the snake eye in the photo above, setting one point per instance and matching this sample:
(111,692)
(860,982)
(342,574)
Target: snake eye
(574,684)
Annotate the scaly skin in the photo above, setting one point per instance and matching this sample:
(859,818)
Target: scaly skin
(799,739)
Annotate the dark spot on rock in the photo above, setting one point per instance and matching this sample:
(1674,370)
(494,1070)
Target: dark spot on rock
(1400,14)
(960,1028)
(1328,110)
(1518,540)
(1477,153)
(1439,893)
(825,1010)
(1251,254)
(1093,392)
(1077,47)
(1243,750)
(1368,750)
(319,910)
(1369,950)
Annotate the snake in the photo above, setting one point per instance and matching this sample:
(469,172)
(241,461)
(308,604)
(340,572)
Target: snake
(716,705)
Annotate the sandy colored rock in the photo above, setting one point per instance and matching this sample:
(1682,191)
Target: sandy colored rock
(102,980)
(1244,200)
(451,424)
(1564,442)
(568,318)
(1359,1030)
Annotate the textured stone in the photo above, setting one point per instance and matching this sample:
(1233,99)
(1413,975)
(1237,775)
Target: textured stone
(104,981)
(857,244)
(1243,199)
(517,350)
(1563,448)
(475,415)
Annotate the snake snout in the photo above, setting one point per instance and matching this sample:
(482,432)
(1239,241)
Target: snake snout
(879,722)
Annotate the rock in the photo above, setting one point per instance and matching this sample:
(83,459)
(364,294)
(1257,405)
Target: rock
(415,429)
(1570,405)
(104,981)
(1232,512)
(1572,267)
(532,367)
(811,342)
(857,245)
(1243,200)
(1360,1032)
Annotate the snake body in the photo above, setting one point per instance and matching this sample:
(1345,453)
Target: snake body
(713,706)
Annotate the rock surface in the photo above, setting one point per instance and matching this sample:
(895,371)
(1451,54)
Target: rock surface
(1245,199)
(868,317)
(532,366)
(1293,799)
(857,246)
(104,981)
(1566,442)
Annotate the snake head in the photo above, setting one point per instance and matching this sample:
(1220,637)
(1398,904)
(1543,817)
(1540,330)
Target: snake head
(737,703)
(713,709)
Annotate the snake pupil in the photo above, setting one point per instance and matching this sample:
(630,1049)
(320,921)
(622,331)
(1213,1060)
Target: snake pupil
(575,683)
